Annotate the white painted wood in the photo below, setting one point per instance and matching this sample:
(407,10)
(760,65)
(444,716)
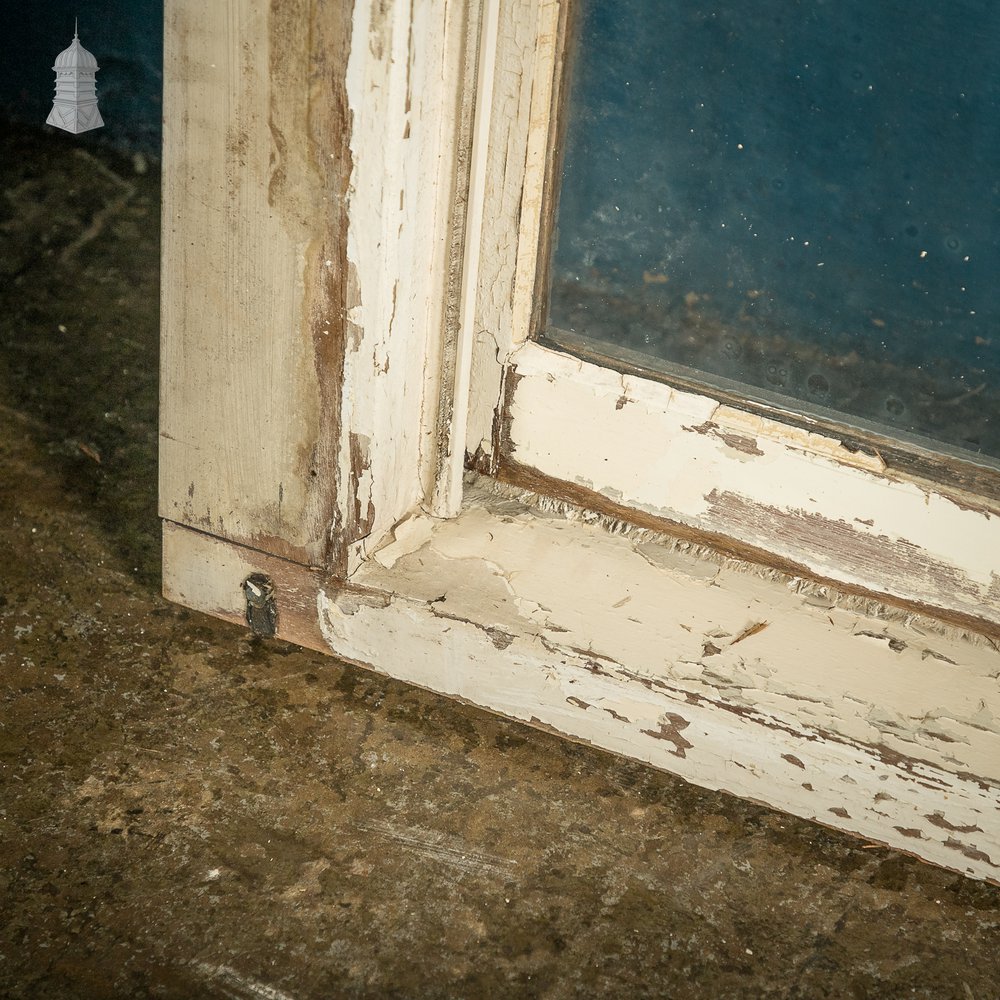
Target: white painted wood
(796,494)
(308,202)
(863,719)
(291,215)
(527,63)
(446,500)
(403,80)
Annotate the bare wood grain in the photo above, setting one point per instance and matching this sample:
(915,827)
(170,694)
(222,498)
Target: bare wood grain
(255,170)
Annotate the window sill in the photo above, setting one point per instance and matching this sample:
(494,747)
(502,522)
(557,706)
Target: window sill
(831,707)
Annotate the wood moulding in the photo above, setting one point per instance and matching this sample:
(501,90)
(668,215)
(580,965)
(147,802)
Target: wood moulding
(531,481)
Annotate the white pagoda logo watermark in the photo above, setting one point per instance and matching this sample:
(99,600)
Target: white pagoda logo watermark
(75,106)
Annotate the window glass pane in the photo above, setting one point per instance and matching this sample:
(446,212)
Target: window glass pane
(801,197)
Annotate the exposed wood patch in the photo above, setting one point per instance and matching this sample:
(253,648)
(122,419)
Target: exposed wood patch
(972,853)
(669,729)
(860,554)
(938,820)
(326,284)
(749,631)
(359,490)
(896,645)
(499,638)
(937,656)
(738,442)
(255,170)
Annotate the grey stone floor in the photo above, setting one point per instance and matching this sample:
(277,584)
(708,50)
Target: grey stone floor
(187,812)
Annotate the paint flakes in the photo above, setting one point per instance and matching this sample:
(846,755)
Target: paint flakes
(499,638)
(738,442)
(616,716)
(969,850)
(896,645)
(937,656)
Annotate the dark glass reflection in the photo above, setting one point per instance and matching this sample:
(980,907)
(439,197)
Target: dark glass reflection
(799,196)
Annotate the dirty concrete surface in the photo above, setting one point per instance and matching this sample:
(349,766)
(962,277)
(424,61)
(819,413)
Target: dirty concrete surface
(188,812)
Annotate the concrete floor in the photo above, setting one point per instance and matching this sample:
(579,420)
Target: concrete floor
(187,812)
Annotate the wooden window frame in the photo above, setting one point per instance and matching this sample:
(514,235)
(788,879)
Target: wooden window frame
(350,249)
(881,518)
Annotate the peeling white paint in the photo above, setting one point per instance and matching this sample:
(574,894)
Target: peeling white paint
(871,720)
(524,614)
(402,79)
(521,100)
(667,453)
(857,717)
(681,455)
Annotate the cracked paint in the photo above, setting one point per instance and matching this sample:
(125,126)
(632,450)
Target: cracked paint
(795,498)
(808,690)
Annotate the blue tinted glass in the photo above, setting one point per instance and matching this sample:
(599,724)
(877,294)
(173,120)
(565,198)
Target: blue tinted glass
(798,196)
